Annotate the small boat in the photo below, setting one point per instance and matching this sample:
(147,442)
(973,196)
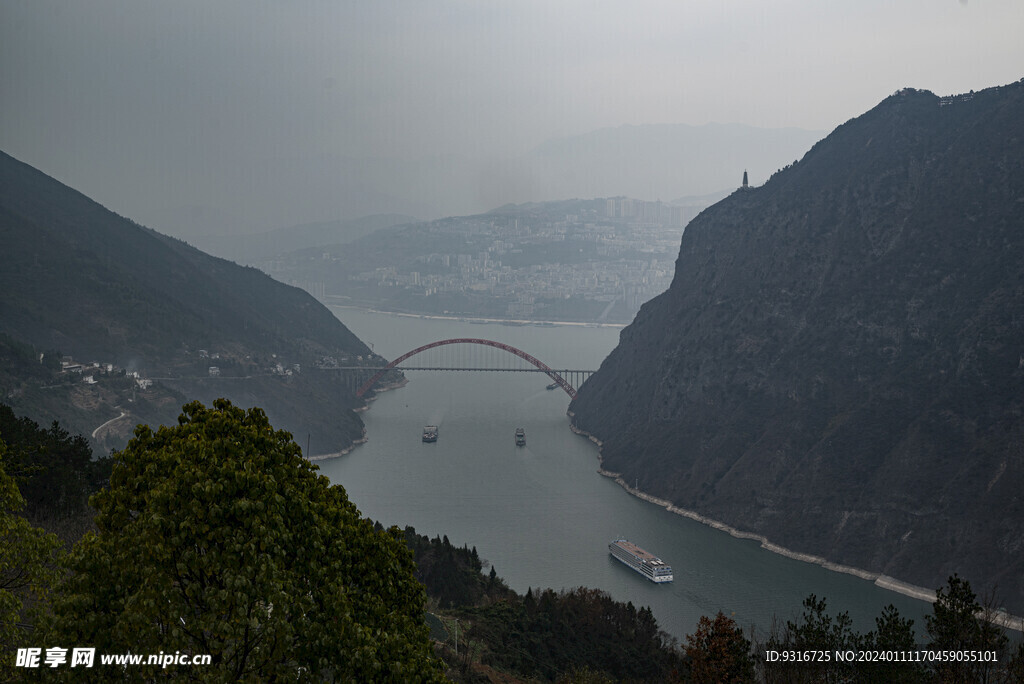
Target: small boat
(520,437)
(553,385)
(430,433)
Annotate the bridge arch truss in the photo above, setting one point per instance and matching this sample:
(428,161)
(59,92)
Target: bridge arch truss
(555,376)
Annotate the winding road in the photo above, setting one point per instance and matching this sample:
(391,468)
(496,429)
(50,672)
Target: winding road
(123,414)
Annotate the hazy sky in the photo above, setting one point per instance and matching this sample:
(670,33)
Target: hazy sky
(155,106)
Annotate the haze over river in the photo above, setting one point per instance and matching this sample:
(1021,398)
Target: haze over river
(541,514)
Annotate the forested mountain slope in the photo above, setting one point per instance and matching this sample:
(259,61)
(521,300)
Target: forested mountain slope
(83,281)
(839,362)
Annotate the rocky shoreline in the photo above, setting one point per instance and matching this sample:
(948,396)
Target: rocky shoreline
(336,454)
(1000,618)
(362,440)
(472,319)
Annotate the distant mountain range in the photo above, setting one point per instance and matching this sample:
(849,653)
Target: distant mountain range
(84,282)
(646,162)
(838,364)
(251,248)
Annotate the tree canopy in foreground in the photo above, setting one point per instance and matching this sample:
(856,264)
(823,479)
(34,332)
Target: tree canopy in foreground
(27,557)
(216,537)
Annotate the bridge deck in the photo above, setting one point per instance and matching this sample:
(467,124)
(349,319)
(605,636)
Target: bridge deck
(453,368)
(538,366)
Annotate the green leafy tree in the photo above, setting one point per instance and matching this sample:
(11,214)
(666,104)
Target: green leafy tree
(28,557)
(718,653)
(216,537)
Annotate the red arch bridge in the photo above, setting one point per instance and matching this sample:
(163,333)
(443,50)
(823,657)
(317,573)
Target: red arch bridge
(567,379)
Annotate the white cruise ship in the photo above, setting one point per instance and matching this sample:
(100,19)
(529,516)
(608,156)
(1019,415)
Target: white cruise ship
(644,562)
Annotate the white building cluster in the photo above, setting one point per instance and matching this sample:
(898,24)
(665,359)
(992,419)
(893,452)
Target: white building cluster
(630,255)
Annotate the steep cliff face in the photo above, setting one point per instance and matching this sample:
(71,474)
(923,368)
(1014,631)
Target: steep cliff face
(839,362)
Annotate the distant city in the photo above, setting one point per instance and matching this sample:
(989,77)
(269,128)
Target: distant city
(575,260)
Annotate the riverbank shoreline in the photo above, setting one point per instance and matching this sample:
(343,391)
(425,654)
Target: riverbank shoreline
(336,454)
(475,319)
(1001,618)
(362,440)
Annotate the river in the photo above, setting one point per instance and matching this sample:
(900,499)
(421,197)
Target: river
(541,514)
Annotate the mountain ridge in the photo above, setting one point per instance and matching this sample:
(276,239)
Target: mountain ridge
(96,286)
(250,248)
(835,365)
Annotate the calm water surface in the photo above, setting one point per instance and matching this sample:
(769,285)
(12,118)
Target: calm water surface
(542,515)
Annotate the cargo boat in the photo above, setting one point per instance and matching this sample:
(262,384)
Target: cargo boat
(520,437)
(644,562)
(430,433)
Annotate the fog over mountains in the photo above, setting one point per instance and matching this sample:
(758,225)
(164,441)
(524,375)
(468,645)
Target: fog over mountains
(647,162)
